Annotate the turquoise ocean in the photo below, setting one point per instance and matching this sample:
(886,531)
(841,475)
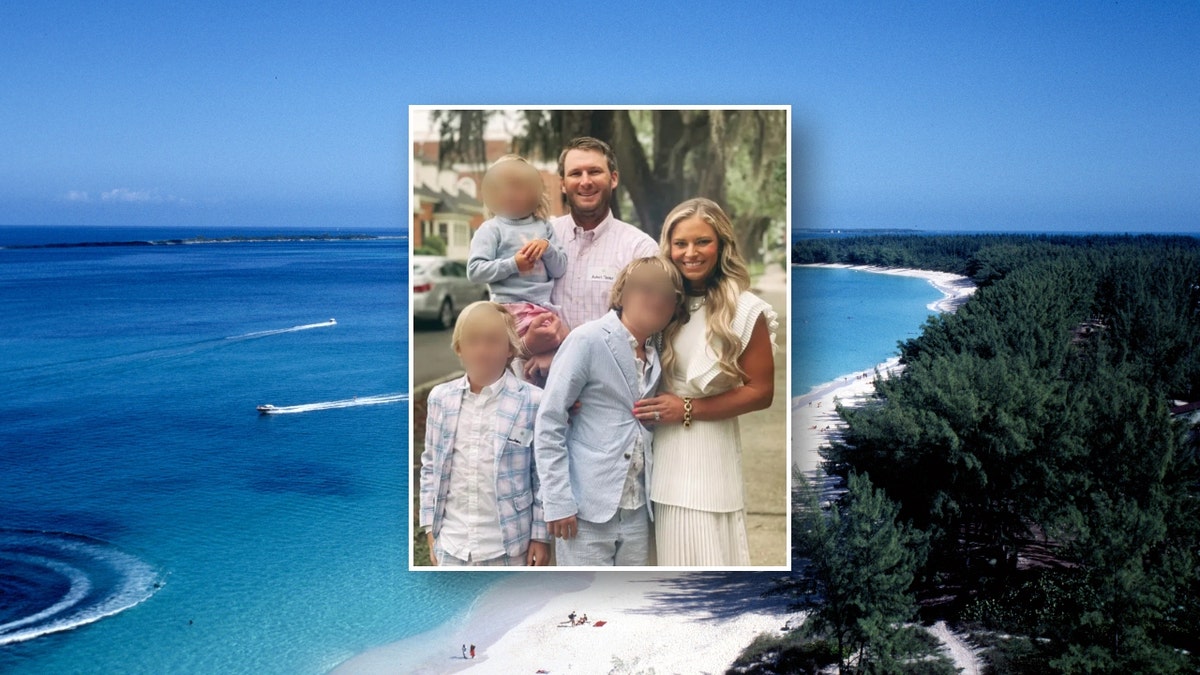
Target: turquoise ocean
(137,472)
(846,320)
(152,521)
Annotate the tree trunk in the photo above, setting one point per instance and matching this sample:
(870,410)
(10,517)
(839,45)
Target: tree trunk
(749,232)
(645,190)
(712,159)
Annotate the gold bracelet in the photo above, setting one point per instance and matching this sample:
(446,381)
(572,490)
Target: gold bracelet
(687,411)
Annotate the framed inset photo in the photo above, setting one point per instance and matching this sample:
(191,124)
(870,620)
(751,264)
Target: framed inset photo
(599,337)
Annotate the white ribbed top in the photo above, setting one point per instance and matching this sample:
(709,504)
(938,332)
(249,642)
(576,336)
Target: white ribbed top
(701,467)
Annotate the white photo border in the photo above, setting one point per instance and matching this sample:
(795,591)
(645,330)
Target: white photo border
(410,462)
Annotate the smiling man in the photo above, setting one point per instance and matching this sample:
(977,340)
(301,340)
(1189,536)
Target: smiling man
(597,244)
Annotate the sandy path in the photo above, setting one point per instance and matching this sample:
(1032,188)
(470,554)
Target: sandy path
(965,658)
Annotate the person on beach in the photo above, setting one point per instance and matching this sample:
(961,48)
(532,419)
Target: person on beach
(472,651)
(464,651)
(597,245)
(595,470)
(721,365)
(479,484)
(515,252)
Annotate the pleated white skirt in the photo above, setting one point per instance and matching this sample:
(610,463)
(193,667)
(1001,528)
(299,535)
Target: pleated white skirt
(688,537)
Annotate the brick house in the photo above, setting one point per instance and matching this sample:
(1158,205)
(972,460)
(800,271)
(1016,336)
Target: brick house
(445,202)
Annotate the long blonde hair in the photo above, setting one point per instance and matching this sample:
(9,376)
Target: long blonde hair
(616,299)
(728,280)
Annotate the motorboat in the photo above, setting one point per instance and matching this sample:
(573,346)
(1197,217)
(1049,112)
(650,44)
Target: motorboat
(265,409)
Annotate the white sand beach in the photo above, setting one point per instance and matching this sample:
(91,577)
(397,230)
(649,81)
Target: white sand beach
(497,610)
(670,621)
(814,415)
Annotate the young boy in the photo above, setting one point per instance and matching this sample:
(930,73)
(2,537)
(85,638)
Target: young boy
(595,470)
(479,483)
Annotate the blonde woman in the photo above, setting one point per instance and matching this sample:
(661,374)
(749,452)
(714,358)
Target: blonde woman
(721,366)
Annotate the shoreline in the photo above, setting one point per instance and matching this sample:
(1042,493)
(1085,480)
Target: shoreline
(955,288)
(485,622)
(815,422)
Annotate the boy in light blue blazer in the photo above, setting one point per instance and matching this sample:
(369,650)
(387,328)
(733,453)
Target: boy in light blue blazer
(479,486)
(594,464)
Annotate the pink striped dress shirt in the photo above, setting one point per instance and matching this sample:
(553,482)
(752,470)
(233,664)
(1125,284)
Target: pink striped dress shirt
(594,257)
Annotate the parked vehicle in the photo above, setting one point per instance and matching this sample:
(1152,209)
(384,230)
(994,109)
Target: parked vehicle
(440,289)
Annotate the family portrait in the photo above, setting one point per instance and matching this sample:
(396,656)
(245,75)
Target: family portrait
(599,366)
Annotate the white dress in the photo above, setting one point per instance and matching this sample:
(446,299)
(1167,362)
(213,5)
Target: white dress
(699,505)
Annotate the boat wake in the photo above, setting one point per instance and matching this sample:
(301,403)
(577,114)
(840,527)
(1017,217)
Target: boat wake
(73,368)
(55,581)
(280,331)
(269,409)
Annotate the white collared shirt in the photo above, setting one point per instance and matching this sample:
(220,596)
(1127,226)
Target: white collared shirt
(471,526)
(633,493)
(594,257)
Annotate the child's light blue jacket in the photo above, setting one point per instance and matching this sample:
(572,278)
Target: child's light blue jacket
(582,465)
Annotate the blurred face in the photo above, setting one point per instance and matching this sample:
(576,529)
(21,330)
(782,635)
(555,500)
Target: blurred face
(648,302)
(484,348)
(587,182)
(695,250)
(511,191)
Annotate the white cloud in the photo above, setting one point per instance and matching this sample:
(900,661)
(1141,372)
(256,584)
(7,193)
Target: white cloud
(124,196)
(127,195)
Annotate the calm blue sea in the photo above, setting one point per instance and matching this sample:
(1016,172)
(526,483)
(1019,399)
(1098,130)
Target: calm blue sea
(129,377)
(849,320)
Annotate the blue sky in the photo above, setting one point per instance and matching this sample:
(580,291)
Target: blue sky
(1041,116)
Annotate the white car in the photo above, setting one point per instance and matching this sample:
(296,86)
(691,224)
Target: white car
(440,289)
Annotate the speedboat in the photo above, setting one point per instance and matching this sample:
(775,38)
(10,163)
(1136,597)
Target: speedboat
(333,321)
(265,408)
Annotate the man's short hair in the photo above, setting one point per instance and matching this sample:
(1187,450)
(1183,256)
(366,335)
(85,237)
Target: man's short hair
(587,143)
